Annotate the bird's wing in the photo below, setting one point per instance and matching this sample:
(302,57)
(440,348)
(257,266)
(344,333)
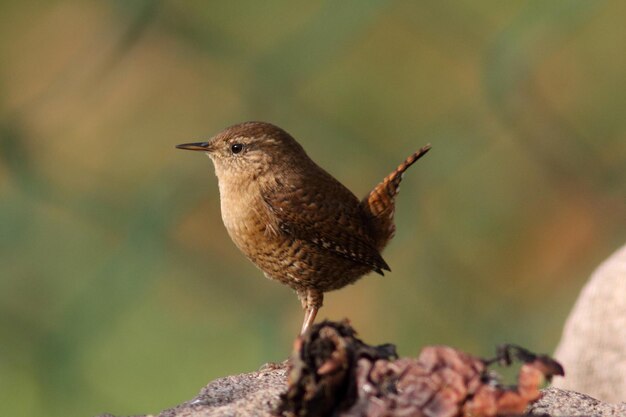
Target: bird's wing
(326,214)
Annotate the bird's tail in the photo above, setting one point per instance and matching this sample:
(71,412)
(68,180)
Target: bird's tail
(379,203)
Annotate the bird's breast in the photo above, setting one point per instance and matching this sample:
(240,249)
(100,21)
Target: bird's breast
(244,217)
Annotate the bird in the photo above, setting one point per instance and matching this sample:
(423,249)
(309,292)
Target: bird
(296,222)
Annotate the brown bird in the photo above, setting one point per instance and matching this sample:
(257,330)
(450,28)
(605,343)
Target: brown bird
(292,219)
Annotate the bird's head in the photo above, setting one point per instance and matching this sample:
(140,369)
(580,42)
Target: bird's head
(248,150)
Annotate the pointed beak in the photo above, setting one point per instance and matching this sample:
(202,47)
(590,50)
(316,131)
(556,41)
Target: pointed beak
(197,146)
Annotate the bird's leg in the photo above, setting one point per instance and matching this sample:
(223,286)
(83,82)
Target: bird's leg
(311,300)
(309,318)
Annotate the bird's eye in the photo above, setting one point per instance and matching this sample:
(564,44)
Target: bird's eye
(236,147)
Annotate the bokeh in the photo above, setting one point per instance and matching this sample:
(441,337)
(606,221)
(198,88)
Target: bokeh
(120,290)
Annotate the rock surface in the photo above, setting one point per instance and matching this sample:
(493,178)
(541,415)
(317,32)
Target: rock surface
(593,346)
(252,394)
(332,372)
(257,394)
(559,402)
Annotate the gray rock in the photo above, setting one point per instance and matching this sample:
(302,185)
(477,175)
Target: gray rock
(559,402)
(252,394)
(593,347)
(256,394)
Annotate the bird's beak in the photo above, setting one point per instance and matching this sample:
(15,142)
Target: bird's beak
(197,146)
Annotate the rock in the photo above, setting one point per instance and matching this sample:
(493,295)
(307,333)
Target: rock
(559,402)
(256,394)
(252,394)
(334,373)
(593,346)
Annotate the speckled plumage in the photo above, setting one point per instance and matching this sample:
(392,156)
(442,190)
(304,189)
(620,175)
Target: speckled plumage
(292,219)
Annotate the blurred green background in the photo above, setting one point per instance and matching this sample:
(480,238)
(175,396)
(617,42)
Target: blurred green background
(120,290)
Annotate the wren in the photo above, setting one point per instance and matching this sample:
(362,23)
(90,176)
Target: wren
(292,219)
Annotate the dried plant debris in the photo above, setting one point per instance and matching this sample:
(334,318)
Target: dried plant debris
(321,377)
(334,373)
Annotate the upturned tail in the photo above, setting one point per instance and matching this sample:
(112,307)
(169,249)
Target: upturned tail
(379,204)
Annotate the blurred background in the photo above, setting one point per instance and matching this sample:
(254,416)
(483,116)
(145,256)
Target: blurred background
(120,290)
